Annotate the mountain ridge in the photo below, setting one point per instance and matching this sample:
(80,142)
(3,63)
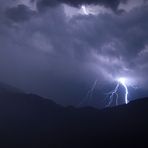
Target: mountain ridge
(28,120)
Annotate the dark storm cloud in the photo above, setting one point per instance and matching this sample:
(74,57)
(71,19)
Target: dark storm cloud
(77,3)
(19,13)
(60,57)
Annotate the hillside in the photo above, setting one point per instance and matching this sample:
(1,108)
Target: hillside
(28,120)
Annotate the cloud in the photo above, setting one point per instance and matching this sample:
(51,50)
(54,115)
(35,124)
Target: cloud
(58,57)
(19,13)
(113,4)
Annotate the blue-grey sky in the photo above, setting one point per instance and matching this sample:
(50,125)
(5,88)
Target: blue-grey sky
(58,48)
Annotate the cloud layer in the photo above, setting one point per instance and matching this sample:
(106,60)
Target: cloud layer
(77,3)
(48,53)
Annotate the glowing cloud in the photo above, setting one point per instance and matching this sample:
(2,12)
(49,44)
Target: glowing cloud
(84,10)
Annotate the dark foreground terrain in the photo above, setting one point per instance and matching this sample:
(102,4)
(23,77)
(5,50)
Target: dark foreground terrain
(30,121)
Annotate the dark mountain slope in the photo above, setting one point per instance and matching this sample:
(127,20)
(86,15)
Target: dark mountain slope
(28,120)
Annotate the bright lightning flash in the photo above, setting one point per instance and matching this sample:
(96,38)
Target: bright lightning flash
(123,82)
(85,10)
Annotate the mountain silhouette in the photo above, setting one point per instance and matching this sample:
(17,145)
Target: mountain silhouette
(28,120)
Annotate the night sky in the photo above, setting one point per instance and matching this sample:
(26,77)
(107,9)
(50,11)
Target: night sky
(59,48)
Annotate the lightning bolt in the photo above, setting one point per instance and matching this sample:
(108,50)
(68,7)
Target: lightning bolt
(89,94)
(112,94)
(121,81)
(126,91)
